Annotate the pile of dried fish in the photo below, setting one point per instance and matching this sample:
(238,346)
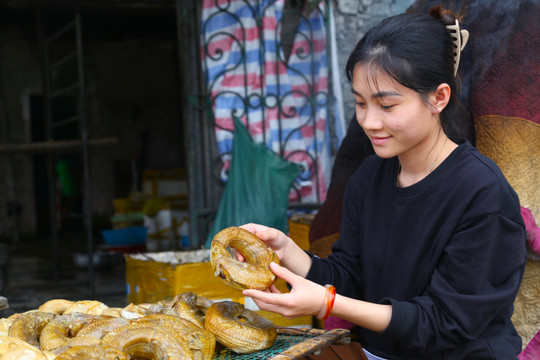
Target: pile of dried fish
(186,327)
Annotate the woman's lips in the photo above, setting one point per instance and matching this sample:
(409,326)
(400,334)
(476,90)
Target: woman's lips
(379,140)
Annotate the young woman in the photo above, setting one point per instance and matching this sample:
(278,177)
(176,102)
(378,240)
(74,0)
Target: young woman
(432,243)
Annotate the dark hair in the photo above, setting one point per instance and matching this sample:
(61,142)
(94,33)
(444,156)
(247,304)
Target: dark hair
(417,51)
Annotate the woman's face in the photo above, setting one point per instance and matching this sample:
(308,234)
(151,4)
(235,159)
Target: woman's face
(394,117)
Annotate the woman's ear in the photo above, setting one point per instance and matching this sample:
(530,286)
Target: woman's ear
(440,97)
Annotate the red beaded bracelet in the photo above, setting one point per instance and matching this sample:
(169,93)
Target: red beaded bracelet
(328,303)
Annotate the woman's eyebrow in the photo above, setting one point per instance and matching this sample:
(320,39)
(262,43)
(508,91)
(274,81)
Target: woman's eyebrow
(382,94)
(356,92)
(378,95)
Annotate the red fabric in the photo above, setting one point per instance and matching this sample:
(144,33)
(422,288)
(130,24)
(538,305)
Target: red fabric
(500,66)
(337,323)
(533,231)
(510,85)
(532,350)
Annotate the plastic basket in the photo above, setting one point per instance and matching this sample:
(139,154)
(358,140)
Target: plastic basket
(126,236)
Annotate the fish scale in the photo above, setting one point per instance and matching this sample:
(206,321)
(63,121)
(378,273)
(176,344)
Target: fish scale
(93,352)
(147,340)
(100,327)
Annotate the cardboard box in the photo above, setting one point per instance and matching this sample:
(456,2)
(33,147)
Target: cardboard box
(152,277)
(170,184)
(299,226)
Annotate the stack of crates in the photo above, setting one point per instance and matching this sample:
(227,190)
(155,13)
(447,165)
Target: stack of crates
(168,225)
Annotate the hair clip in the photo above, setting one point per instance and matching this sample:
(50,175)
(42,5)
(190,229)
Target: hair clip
(459,42)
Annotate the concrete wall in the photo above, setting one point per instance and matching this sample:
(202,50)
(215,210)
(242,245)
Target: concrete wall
(353,19)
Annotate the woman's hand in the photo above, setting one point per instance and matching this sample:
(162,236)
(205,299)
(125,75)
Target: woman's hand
(289,253)
(273,238)
(305,297)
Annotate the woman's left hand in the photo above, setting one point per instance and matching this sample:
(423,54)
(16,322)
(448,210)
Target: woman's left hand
(305,297)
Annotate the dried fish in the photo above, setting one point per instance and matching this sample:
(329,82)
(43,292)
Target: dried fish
(59,330)
(191,307)
(255,272)
(239,329)
(93,352)
(200,342)
(101,327)
(147,342)
(29,325)
(91,307)
(56,306)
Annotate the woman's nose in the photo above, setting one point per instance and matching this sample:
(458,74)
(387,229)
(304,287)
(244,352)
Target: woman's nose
(369,119)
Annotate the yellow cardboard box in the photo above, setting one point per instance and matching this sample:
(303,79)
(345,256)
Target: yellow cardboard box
(152,277)
(299,226)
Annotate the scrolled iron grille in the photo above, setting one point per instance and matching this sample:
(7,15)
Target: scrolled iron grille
(283,114)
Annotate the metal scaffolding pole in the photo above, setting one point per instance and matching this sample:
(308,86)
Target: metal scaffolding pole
(76,88)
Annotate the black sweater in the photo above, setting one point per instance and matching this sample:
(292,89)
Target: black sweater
(447,252)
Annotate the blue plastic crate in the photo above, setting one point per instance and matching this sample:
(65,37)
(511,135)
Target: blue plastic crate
(126,236)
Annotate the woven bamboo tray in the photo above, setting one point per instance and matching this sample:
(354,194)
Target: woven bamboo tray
(292,343)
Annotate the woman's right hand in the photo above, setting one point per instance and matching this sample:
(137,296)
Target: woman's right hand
(273,238)
(289,253)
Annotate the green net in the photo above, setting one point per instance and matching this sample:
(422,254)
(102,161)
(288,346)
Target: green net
(283,342)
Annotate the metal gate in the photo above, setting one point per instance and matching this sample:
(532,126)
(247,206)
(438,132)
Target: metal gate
(201,81)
